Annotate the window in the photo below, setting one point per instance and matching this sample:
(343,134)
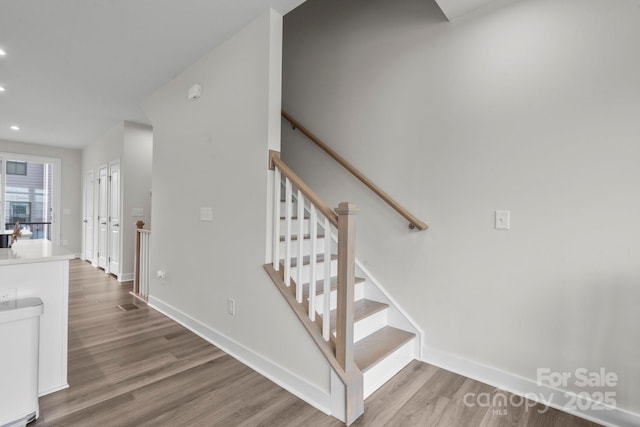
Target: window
(16,168)
(29,192)
(19,211)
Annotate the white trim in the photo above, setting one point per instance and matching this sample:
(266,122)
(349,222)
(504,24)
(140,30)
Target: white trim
(53,390)
(397,306)
(550,396)
(306,391)
(56,218)
(125,277)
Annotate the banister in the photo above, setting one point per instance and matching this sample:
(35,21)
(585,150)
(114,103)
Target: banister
(274,159)
(338,350)
(413,221)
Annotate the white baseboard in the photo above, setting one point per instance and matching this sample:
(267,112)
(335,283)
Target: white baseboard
(550,396)
(311,394)
(53,390)
(125,277)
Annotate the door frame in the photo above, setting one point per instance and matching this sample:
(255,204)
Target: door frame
(109,218)
(104,166)
(89,218)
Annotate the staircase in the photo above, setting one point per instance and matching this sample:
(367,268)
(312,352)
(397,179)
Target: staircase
(362,333)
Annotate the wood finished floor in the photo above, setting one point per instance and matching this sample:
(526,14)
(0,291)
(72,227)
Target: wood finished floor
(139,368)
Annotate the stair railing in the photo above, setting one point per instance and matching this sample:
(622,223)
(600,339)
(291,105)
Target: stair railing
(288,269)
(141,265)
(413,221)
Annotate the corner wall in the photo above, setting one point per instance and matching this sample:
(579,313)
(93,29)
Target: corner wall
(137,163)
(528,106)
(132,144)
(212,153)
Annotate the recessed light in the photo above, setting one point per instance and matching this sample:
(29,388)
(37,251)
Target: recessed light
(2,52)
(14,127)
(1,89)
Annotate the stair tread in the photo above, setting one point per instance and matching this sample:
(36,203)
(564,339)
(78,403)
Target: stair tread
(306,259)
(334,285)
(362,309)
(375,347)
(306,237)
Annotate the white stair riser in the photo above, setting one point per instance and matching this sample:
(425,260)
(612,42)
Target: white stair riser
(384,370)
(365,327)
(306,247)
(306,271)
(358,292)
(294,226)
(294,208)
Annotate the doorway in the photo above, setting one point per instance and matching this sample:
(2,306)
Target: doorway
(89,186)
(102,217)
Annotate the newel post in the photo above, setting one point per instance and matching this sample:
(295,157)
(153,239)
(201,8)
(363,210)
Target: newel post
(136,263)
(346,270)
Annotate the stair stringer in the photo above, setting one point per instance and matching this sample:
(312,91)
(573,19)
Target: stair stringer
(347,400)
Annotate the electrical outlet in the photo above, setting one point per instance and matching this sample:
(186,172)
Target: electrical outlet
(231,306)
(8,295)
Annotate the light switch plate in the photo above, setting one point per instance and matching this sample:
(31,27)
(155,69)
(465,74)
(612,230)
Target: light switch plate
(503,220)
(137,212)
(206,214)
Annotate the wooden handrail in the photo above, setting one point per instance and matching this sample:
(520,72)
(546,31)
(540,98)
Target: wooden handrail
(274,159)
(413,221)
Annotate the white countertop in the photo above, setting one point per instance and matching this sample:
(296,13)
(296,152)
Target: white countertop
(30,251)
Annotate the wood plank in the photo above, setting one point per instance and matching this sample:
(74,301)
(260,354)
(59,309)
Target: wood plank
(362,309)
(191,382)
(307,259)
(305,237)
(370,350)
(320,285)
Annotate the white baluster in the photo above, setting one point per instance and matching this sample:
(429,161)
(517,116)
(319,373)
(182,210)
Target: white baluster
(276,219)
(147,263)
(327,282)
(313,231)
(300,214)
(143,264)
(287,236)
(147,242)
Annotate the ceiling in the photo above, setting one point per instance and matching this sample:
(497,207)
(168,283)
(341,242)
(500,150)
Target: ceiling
(455,8)
(75,68)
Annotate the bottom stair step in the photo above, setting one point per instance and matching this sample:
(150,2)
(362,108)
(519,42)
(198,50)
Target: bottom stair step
(375,347)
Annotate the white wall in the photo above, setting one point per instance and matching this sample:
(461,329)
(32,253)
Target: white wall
(132,144)
(104,149)
(529,106)
(212,152)
(136,165)
(70,186)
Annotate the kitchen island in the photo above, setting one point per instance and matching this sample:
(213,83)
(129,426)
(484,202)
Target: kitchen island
(37,268)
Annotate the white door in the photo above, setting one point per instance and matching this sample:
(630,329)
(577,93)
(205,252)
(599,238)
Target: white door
(114,218)
(88,217)
(103,251)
